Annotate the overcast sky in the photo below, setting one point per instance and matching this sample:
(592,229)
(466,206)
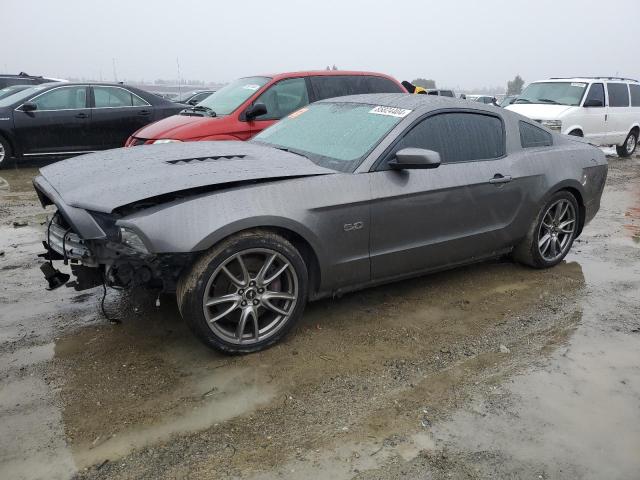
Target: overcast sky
(459,43)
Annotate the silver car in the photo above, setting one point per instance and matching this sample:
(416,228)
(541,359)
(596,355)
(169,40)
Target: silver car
(340,195)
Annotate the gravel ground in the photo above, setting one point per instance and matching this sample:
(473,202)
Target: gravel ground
(488,371)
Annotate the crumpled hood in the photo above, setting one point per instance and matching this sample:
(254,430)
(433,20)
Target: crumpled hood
(104,181)
(537,111)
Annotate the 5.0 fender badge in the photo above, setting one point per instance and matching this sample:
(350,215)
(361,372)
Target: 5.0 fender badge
(349,227)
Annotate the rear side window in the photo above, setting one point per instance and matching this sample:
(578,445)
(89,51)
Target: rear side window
(618,94)
(114,97)
(339,86)
(635,95)
(382,85)
(458,137)
(532,136)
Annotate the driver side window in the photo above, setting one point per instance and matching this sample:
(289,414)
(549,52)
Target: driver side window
(457,137)
(595,98)
(283,98)
(63,98)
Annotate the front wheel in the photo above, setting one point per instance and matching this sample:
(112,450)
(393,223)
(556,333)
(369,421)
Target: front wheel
(551,233)
(5,153)
(629,145)
(246,293)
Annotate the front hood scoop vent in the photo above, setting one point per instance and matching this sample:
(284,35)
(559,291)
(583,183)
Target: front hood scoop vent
(199,160)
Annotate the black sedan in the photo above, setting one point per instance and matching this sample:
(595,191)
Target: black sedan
(65,119)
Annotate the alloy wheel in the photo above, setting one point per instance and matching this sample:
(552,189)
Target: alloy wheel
(557,230)
(3,152)
(250,296)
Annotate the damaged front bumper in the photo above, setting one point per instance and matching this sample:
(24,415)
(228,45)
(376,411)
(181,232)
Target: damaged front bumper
(99,251)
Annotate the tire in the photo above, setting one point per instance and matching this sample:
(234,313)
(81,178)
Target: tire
(629,145)
(575,133)
(5,153)
(537,248)
(254,278)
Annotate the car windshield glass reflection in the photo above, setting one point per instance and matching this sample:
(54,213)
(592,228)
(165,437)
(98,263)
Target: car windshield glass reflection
(553,93)
(333,135)
(228,98)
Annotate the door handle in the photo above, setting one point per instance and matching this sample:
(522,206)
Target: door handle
(499,178)
(144,112)
(82,115)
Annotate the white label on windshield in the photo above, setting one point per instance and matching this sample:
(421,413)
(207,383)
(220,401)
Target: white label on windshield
(576,84)
(251,87)
(390,111)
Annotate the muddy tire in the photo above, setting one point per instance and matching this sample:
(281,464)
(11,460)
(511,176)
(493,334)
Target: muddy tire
(629,145)
(246,293)
(551,234)
(5,153)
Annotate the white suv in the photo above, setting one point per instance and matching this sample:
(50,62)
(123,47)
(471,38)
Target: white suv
(603,110)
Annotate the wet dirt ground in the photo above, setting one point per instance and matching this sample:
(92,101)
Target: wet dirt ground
(488,371)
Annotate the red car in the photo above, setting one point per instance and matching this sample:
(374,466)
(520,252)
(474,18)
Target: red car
(248,105)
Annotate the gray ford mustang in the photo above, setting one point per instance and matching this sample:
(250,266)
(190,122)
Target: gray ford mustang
(342,194)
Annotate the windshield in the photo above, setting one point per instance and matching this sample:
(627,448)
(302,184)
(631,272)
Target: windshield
(333,135)
(5,92)
(553,93)
(19,96)
(230,97)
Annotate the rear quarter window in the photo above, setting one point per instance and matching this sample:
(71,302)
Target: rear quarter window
(532,136)
(635,95)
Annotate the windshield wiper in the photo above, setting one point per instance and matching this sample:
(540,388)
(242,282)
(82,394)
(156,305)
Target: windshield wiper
(202,108)
(285,149)
(547,100)
(522,100)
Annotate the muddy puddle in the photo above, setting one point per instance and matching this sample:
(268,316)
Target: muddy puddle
(493,370)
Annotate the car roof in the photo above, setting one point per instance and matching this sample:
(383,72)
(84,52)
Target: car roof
(324,73)
(409,101)
(587,79)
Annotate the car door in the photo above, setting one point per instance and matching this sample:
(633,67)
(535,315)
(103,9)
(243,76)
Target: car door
(618,114)
(281,99)
(59,123)
(426,219)
(594,115)
(115,114)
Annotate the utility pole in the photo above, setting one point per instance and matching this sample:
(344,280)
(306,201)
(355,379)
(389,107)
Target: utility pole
(179,78)
(115,73)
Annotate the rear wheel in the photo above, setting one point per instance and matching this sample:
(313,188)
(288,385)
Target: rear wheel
(575,133)
(246,293)
(629,145)
(5,153)
(551,234)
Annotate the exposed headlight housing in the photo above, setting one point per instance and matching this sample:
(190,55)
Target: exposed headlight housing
(552,124)
(132,240)
(166,140)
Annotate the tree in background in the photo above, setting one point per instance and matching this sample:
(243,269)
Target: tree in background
(424,83)
(514,87)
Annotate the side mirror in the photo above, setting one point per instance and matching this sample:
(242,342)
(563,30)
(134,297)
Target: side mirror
(255,110)
(412,158)
(193,102)
(593,103)
(29,107)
